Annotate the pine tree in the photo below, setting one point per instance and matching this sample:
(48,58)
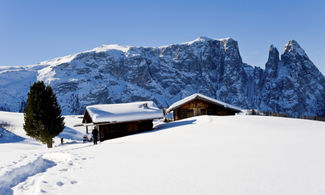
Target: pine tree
(42,115)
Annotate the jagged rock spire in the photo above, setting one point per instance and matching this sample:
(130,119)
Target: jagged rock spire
(271,65)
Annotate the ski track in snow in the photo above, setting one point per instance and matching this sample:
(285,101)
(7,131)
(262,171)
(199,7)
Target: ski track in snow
(32,178)
(42,183)
(20,174)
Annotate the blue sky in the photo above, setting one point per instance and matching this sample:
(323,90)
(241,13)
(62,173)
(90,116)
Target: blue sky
(36,30)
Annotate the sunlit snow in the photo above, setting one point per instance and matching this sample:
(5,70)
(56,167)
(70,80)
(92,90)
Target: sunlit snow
(200,155)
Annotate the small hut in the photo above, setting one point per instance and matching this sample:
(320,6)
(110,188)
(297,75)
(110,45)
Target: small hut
(198,104)
(116,120)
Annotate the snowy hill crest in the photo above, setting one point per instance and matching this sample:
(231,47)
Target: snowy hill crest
(112,74)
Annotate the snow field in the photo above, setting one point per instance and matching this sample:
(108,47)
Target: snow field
(200,155)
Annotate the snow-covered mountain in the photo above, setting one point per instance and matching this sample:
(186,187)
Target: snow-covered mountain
(112,74)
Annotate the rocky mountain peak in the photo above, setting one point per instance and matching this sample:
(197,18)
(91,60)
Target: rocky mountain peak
(295,59)
(232,51)
(292,48)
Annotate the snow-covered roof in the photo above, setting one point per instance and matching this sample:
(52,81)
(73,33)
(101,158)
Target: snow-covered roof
(202,97)
(114,113)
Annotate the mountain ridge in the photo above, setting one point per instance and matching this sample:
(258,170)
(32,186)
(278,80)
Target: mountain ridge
(289,84)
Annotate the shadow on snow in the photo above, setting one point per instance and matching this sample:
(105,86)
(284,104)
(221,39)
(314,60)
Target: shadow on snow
(69,133)
(166,126)
(9,137)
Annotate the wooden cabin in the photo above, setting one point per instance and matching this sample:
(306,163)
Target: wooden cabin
(117,120)
(198,104)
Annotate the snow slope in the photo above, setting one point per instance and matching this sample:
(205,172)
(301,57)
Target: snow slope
(200,155)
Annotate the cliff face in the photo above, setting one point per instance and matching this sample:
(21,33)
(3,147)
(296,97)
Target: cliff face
(112,74)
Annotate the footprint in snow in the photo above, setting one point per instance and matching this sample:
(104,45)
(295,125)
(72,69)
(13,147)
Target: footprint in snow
(43,191)
(84,158)
(63,170)
(44,181)
(73,182)
(22,157)
(59,183)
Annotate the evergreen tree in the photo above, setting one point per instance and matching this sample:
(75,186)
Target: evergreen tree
(42,115)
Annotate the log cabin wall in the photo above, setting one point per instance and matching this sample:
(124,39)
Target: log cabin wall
(199,107)
(109,131)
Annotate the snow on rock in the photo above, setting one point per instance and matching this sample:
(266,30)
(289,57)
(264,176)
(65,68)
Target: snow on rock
(105,48)
(133,111)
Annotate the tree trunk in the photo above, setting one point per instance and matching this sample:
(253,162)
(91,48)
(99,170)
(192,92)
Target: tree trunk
(49,143)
